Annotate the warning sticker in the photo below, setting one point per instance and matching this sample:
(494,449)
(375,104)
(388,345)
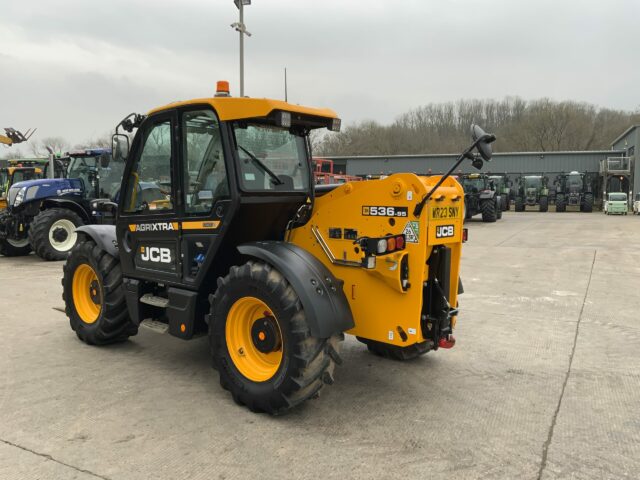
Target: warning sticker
(412,232)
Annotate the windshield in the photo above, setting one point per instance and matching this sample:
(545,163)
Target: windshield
(498,181)
(574,180)
(271,158)
(470,183)
(617,197)
(532,182)
(23,175)
(79,166)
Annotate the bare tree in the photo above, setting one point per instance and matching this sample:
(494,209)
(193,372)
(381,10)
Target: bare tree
(543,125)
(102,141)
(39,148)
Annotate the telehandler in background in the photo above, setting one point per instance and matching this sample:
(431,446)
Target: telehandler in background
(242,247)
(13,136)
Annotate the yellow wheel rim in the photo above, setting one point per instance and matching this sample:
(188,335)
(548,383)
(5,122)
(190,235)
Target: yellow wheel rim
(87,297)
(254,364)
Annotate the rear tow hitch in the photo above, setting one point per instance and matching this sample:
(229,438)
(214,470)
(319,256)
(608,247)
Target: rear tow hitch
(447,342)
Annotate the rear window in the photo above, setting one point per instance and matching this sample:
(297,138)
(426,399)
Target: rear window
(617,197)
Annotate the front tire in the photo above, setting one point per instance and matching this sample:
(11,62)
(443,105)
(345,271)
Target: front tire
(588,203)
(261,343)
(544,204)
(52,233)
(94,297)
(519,205)
(561,206)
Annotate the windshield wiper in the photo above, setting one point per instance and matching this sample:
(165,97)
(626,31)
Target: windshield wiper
(262,166)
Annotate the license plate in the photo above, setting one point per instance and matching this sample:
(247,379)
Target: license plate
(443,213)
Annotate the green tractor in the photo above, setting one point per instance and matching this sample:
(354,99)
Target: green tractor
(480,196)
(503,188)
(532,190)
(574,189)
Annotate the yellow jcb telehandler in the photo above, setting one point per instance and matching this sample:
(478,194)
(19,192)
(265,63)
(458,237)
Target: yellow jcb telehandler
(220,231)
(13,136)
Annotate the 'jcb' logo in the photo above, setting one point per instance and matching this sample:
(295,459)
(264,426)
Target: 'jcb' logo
(155,254)
(444,231)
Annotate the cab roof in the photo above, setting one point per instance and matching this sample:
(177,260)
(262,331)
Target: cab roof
(238,108)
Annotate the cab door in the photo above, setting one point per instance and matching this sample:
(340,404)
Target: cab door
(147,221)
(206,194)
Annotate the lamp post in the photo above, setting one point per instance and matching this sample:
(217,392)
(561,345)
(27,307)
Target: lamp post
(240,27)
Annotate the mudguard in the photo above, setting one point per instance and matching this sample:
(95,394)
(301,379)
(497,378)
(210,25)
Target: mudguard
(487,194)
(65,203)
(320,293)
(103,235)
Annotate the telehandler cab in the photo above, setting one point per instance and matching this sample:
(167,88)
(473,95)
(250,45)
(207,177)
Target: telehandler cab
(242,247)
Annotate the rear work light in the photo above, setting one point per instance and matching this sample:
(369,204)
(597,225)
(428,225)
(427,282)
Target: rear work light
(283,119)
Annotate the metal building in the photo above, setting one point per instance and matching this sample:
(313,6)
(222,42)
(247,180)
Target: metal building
(616,169)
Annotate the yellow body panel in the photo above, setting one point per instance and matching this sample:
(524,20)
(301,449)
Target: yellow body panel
(232,108)
(3,203)
(380,307)
(5,140)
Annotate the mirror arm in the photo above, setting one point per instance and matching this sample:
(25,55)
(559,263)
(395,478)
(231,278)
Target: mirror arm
(466,154)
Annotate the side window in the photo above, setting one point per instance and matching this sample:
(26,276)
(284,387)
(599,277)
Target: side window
(149,186)
(205,175)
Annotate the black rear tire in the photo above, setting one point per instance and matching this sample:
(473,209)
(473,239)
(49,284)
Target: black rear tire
(395,352)
(561,206)
(113,323)
(47,220)
(488,208)
(307,362)
(544,204)
(498,211)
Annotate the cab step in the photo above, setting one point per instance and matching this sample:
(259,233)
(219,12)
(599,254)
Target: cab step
(155,325)
(154,300)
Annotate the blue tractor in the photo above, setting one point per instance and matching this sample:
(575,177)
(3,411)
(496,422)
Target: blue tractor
(42,215)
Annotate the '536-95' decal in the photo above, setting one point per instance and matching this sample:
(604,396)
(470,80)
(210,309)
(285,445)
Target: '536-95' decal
(381,211)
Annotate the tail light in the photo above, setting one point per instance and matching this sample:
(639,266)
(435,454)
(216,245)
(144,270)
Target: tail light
(382,246)
(465,234)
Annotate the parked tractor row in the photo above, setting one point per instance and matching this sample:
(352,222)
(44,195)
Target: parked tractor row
(572,190)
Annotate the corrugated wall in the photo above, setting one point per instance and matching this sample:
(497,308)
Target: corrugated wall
(548,163)
(511,163)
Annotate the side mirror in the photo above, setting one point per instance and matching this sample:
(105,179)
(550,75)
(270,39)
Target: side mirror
(483,142)
(120,147)
(104,206)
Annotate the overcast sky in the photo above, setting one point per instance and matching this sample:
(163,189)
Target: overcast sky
(74,68)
